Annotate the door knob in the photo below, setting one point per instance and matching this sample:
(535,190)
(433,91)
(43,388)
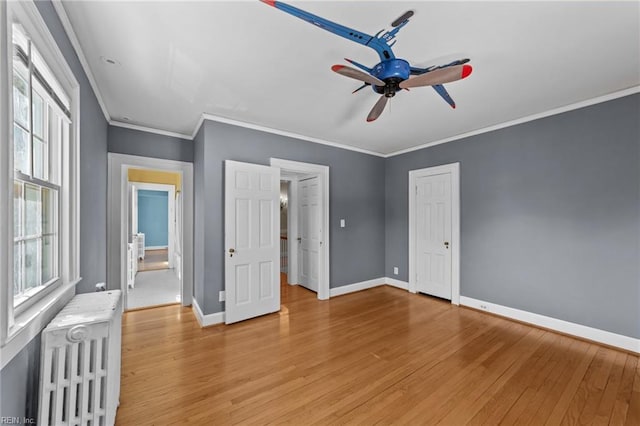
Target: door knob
(299,239)
(446,244)
(231,251)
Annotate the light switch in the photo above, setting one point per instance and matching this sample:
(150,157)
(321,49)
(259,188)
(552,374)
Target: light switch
(342,223)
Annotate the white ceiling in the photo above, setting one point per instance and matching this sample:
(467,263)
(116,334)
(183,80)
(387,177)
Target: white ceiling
(249,62)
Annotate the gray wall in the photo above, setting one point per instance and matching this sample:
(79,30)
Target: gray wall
(550,211)
(17,378)
(550,214)
(19,384)
(356,182)
(200,197)
(145,144)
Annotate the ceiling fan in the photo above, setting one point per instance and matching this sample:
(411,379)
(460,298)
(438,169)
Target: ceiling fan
(391,74)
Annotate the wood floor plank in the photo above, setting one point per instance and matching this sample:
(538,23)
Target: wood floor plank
(562,406)
(605,408)
(502,402)
(379,356)
(633,414)
(570,352)
(623,396)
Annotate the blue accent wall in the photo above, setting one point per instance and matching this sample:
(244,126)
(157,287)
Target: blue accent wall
(153,217)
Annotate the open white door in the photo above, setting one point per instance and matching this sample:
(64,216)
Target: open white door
(310,232)
(252,240)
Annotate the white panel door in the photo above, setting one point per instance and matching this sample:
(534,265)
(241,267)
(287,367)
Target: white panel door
(310,232)
(433,229)
(252,240)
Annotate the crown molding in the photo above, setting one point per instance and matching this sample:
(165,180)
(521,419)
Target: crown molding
(149,130)
(281,133)
(66,23)
(555,111)
(68,28)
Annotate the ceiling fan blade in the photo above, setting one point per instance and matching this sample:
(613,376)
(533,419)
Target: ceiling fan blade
(357,74)
(408,14)
(377,108)
(439,76)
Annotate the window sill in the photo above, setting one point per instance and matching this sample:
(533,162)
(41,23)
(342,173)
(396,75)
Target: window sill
(33,320)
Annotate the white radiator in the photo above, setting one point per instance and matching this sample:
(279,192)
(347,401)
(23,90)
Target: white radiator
(141,246)
(80,362)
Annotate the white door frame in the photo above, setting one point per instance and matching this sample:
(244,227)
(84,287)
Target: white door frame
(454,170)
(171,201)
(323,174)
(118,207)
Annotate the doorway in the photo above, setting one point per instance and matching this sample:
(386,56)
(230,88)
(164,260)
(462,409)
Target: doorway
(253,260)
(120,222)
(153,250)
(434,231)
(307,224)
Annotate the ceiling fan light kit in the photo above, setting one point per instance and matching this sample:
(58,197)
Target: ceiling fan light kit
(391,74)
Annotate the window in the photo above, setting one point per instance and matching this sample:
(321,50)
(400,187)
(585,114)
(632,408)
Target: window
(39,185)
(41,121)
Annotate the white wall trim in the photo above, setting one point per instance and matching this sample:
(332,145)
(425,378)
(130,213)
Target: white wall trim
(281,133)
(323,173)
(35,320)
(149,130)
(594,334)
(209,319)
(17,329)
(363,285)
(198,125)
(533,117)
(403,285)
(68,28)
(454,170)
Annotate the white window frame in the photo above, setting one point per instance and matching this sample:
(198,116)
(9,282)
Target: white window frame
(18,329)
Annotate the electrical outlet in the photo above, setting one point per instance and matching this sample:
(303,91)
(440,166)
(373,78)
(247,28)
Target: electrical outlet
(342,223)
(395,270)
(221,296)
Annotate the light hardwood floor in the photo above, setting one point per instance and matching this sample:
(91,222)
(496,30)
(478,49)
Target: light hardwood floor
(378,356)
(154,260)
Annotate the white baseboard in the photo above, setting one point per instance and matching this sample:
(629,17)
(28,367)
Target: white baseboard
(594,334)
(351,288)
(396,283)
(209,319)
(363,285)
(155,247)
